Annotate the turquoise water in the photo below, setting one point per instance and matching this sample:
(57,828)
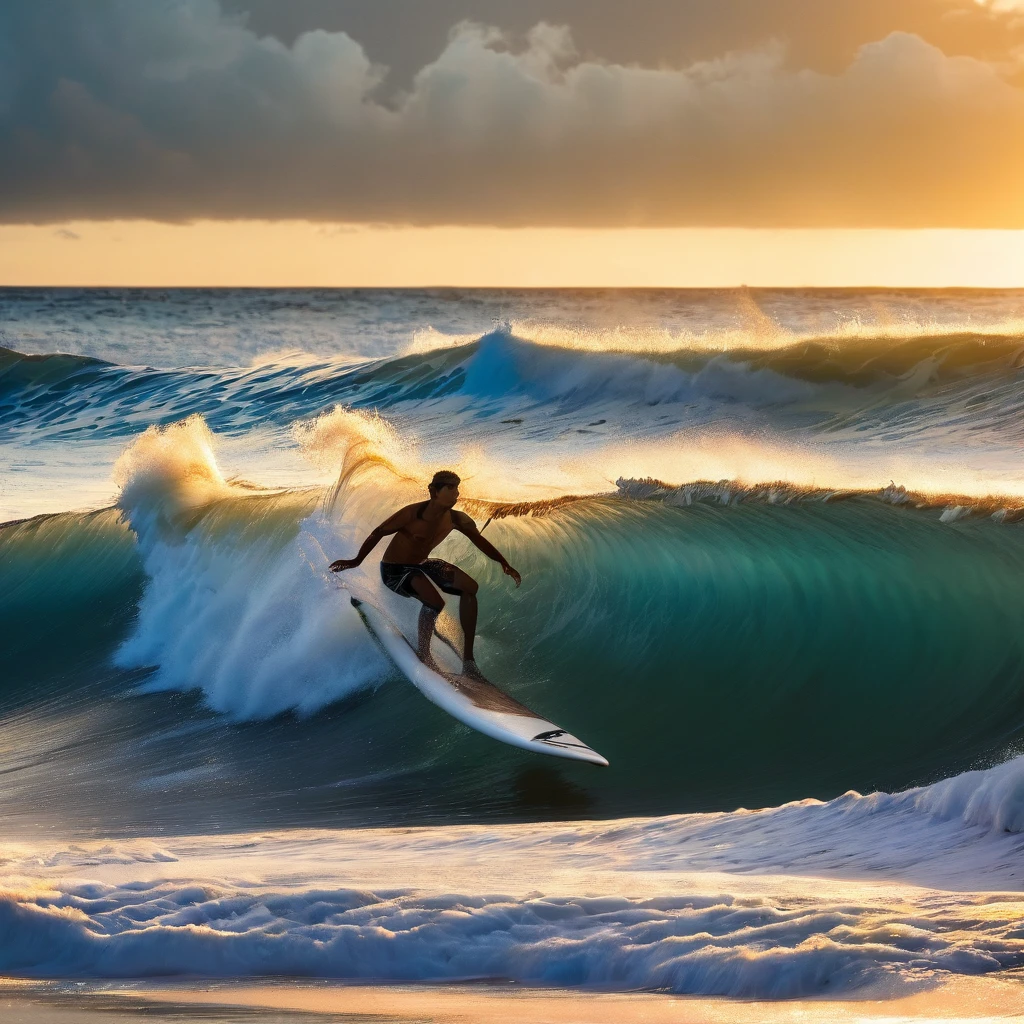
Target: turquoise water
(837,608)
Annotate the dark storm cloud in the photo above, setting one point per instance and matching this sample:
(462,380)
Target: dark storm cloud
(180,109)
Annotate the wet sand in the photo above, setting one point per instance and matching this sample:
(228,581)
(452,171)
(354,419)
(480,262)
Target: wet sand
(962,999)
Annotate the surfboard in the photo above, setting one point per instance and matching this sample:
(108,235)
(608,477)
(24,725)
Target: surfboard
(477,703)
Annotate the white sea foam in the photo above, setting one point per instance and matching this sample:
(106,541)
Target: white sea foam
(992,799)
(231,606)
(886,891)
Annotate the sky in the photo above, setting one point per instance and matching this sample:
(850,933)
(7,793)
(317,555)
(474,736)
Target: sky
(686,142)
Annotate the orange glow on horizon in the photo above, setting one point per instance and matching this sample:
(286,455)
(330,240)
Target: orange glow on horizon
(303,254)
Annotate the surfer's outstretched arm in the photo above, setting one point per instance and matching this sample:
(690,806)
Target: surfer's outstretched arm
(389,526)
(466,526)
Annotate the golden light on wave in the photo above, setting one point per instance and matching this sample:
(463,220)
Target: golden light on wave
(359,445)
(302,254)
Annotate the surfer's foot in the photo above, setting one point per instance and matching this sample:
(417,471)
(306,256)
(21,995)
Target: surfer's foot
(470,670)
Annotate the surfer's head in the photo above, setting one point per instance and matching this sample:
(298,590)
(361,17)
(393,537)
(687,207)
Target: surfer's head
(444,488)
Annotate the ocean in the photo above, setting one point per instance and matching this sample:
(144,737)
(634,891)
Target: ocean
(772,547)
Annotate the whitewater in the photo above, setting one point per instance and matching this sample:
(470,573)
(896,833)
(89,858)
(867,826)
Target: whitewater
(772,551)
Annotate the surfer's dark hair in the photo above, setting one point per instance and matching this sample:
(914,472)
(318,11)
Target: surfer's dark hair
(443,478)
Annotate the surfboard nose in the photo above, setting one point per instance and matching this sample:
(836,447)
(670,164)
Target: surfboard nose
(567,745)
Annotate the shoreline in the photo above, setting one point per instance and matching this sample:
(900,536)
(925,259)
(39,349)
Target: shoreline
(994,997)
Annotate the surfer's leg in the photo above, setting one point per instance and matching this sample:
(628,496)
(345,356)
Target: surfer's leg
(433,605)
(467,588)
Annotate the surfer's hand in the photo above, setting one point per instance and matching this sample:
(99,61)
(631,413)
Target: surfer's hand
(342,564)
(509,571)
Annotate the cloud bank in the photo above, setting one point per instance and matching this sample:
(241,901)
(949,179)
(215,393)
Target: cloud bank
(825,36)
(178,111)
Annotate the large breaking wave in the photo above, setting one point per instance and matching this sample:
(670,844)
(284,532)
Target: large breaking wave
(721,645)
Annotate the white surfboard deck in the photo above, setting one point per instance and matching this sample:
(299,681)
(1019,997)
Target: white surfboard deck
(478,704)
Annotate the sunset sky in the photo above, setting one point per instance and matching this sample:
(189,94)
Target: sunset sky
(512,142)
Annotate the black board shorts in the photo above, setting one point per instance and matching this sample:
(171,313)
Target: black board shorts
(397,576)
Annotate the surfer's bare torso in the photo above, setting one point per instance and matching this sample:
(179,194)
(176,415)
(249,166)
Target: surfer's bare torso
(417,535)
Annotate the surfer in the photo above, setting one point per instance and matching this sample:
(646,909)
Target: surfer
(407,569)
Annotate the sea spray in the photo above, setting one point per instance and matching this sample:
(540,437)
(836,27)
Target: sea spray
(230,607)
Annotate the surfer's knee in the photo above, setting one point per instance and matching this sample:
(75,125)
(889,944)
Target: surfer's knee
(427,595)
(468,585)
